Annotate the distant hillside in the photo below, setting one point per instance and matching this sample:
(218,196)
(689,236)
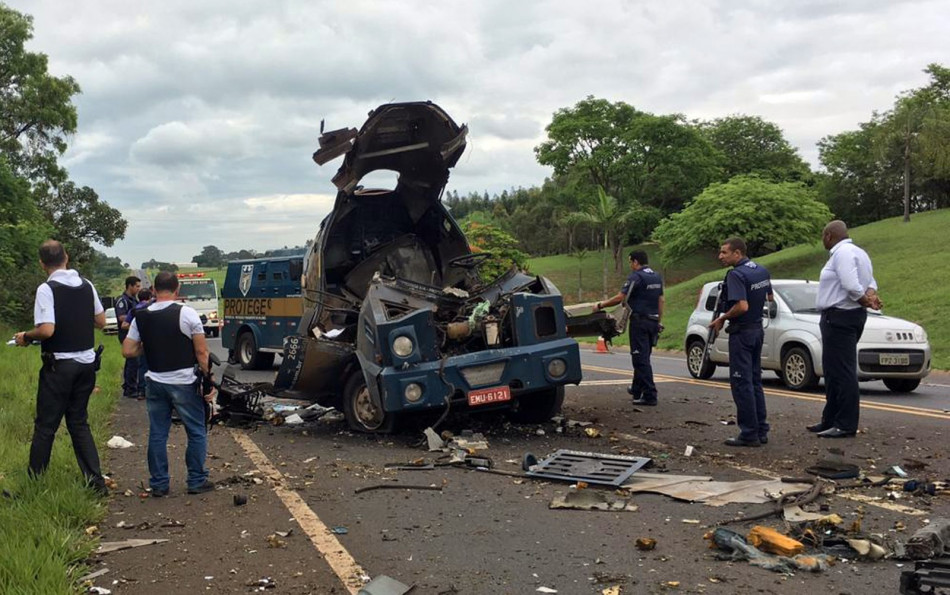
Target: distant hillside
(911,265)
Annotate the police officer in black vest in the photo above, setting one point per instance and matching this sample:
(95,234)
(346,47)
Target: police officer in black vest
(173,339)
(747,287)
(643,291)
(66,311)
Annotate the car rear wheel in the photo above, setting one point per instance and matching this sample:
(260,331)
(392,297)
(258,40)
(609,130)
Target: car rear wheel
(798,372)
(538,406)
(902,385)
(363,412)
(248,355)
(694,360)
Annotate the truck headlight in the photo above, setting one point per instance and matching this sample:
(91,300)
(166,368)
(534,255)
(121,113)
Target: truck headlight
(557,367)
(402,346)
(213,315)
(920,334)
(413,392)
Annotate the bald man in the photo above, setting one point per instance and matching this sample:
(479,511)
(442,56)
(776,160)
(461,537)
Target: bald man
(846,288)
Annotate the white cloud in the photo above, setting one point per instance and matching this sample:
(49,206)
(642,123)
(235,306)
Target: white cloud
(215,106)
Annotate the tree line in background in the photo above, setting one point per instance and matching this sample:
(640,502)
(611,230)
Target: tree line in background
(37,199)
(622,176)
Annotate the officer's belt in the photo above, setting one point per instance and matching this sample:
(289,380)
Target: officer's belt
(653,317)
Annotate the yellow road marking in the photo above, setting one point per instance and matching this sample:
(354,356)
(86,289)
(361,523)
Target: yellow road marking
(340,560)
(620,382)
(909,410)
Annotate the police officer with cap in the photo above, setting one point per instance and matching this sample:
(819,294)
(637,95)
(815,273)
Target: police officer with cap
(747,287)
(65,313)
(643,291)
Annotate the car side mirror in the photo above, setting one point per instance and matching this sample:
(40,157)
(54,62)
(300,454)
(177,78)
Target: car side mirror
(773,309)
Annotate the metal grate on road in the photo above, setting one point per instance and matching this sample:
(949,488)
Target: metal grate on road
(592,467)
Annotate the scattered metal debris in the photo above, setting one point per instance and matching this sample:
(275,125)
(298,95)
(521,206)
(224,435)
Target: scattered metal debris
(926,577)
(596,468)
(114,546)
(385,585)
(739,549)
(93,575)
(397,486)
(932,541)
(592,500)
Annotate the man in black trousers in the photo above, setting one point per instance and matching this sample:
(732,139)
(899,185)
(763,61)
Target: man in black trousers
(124,305)
(846,288)
(65,313)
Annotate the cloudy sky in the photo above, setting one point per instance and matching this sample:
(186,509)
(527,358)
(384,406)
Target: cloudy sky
(198,119)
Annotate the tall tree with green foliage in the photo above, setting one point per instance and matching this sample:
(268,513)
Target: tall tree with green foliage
(36,110)
(918,126)
(752,145)
(488,238)
(768,215)
(611,220)
(22,230)
(36,118)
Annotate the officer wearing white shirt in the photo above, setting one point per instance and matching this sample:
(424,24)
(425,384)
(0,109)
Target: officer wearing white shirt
(846,288)
(173,339)
(65,312)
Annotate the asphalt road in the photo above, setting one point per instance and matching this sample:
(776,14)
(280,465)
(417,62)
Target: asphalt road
(496,534)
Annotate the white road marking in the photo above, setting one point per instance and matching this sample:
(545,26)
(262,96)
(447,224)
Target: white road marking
(340,560)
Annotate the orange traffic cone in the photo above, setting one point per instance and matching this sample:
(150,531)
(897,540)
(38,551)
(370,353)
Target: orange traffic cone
(601,346)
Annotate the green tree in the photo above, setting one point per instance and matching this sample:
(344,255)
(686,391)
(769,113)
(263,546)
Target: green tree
(211,256)
(768,215)
(607,216)
(752,145)
(36,109)
(485,237)
(22,230)
(918,125)
(81,219)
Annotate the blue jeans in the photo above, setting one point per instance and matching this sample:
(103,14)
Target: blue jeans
(159,399)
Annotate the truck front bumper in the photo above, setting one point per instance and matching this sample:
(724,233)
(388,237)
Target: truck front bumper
(522,369)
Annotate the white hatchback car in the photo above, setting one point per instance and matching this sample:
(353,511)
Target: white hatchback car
(891,349)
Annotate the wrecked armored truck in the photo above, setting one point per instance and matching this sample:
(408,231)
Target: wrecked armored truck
(396,319)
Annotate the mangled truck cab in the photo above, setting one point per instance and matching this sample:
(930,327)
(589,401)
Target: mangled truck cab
(396,319)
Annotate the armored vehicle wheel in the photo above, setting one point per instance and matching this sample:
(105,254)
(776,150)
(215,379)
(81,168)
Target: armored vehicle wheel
(248,356)
(694,361)
(902,385)
(538,406)
(798,372)
(364,413)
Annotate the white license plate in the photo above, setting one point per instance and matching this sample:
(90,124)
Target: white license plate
(484,396)
(893,359)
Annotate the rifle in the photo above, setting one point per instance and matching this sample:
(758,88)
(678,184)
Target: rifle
(712,334)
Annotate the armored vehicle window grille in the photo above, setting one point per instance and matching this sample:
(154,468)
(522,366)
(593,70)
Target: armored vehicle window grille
(544,321)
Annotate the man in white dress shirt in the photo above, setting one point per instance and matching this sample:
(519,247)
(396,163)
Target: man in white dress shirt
(846,288)
(66,310)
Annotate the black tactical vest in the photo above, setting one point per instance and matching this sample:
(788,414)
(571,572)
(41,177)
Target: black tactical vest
(166,347)
(75,320)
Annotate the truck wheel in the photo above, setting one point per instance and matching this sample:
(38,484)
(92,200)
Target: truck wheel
(538,406)
(798,373)
(362,412)
(902,385)
(694,360)
(248,356)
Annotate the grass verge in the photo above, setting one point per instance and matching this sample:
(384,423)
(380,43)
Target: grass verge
(43,540)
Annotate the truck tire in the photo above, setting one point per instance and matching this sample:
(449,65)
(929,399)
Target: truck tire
(902,385)
(694,360)
(362,412)
(538,406)
(248,356)
(798,372)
